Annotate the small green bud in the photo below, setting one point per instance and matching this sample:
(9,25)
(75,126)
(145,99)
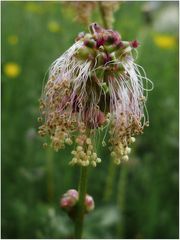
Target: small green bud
(88,36)
(100,59)
(84,53)
(111,48)
(91,43)
(104,87)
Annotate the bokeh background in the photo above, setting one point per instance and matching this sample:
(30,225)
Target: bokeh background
(138,199)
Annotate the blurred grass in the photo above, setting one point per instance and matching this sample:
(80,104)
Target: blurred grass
(33,178)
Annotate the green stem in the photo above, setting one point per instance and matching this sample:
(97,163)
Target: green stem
(81,206)
(49,170)
(83,176)
(121,198)
(110,181)
(103,15)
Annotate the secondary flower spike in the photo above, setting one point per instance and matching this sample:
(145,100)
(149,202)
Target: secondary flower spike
(95,85)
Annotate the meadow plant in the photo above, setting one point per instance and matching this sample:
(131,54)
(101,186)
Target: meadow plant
(95,86)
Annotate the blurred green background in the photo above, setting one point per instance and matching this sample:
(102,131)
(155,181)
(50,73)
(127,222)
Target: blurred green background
(138,199)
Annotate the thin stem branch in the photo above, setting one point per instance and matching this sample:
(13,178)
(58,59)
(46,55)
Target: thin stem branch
(103,15)
(81,204)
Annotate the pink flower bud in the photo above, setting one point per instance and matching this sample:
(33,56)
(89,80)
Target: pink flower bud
(95,28)
(73,193)
(134,44)
(65,202)
(89,203)
(69,199)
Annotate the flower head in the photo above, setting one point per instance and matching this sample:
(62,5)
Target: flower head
(95,85)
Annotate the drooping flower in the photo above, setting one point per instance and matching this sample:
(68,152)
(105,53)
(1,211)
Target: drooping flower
(95,85)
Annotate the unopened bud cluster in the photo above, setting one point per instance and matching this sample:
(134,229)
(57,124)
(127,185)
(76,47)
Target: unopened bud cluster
(95,85)
(70,199)
(84,153)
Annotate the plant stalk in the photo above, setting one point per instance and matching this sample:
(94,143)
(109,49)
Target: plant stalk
(83,176)
(103,15)
(81,204)
(110,181)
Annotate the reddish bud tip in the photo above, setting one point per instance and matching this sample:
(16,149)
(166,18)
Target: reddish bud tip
(134,44)
(100,42)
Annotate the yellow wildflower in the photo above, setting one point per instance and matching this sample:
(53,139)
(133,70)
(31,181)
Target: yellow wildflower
(165,41)
(34,7)
(13,39)
(12,70)
(53,26)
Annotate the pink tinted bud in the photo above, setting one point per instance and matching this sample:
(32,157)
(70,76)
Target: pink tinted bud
(114,37)
(69,199)
(95,28)
(64,202)
(134,44)
(117,37)
(89,203)
(73,193)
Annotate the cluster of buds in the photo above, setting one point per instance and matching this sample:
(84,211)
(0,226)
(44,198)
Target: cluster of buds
(70,199)
(95,85)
